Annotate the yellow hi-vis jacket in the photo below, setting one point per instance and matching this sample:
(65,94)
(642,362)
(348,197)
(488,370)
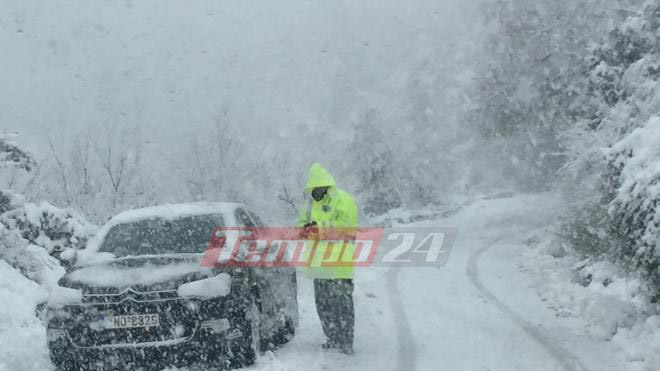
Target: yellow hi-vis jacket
(335,214)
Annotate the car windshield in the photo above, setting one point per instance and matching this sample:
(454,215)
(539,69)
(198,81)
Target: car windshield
(189,234)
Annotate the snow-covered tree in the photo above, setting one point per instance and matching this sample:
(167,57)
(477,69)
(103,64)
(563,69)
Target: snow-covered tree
(373,166)
(528,88)
(33,235)
(17,165)
(615,145)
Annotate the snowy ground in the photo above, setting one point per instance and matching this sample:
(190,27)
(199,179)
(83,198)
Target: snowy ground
(482,311)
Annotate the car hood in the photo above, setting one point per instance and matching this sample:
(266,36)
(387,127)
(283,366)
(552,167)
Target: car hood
(141,272)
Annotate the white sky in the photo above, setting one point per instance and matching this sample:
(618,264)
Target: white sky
(169,67)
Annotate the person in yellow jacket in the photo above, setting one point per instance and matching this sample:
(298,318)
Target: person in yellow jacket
(329,220)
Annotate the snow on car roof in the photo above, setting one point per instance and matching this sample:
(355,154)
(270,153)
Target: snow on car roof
(173,211)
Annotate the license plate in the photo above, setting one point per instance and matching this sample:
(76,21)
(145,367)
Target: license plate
(132,321)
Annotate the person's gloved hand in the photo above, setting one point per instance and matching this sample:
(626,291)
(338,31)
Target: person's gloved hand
(309,230)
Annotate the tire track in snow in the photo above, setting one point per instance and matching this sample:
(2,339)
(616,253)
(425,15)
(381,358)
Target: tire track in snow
(406,341)
(567,360)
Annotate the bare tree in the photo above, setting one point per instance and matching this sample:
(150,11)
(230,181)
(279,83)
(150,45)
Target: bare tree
(120,159)
(195,176)
(60,170)
(209,163)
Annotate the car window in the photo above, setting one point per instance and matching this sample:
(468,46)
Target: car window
(156,236)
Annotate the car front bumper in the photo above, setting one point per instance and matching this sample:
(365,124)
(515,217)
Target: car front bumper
(204,347)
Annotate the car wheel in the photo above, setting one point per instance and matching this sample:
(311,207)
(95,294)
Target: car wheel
(284,334)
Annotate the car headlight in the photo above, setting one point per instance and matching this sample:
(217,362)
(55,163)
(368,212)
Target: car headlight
(60,296)
(211,287)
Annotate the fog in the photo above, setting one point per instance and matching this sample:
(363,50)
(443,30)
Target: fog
(166,64)
(530,127)
(292,78)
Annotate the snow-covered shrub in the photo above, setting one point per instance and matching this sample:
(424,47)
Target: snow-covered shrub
(636,208)
(585,228)
(10,200)
(17,165)
(32,261)
(11,155)
(48,226)
(613,172)
(32,236)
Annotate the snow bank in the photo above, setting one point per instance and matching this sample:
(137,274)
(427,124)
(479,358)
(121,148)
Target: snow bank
(32,235)
(614,304)
(22,335)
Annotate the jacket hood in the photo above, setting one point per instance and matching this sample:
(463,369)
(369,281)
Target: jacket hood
(319,177)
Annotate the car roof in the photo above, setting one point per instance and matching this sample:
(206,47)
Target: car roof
(174,211)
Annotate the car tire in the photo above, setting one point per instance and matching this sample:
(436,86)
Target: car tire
(284,334)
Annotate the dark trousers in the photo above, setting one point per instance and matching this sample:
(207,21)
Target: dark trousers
(334,304)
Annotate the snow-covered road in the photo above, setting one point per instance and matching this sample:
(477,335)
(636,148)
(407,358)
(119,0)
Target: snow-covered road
(479,312)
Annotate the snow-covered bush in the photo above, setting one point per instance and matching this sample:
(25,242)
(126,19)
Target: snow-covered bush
(10,200)
(32,236)
(48,226)
(636,208)
(17,165)
(613,172)
(11,155)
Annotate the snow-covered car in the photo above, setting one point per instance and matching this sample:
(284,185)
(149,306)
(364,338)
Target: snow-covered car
(139,296)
